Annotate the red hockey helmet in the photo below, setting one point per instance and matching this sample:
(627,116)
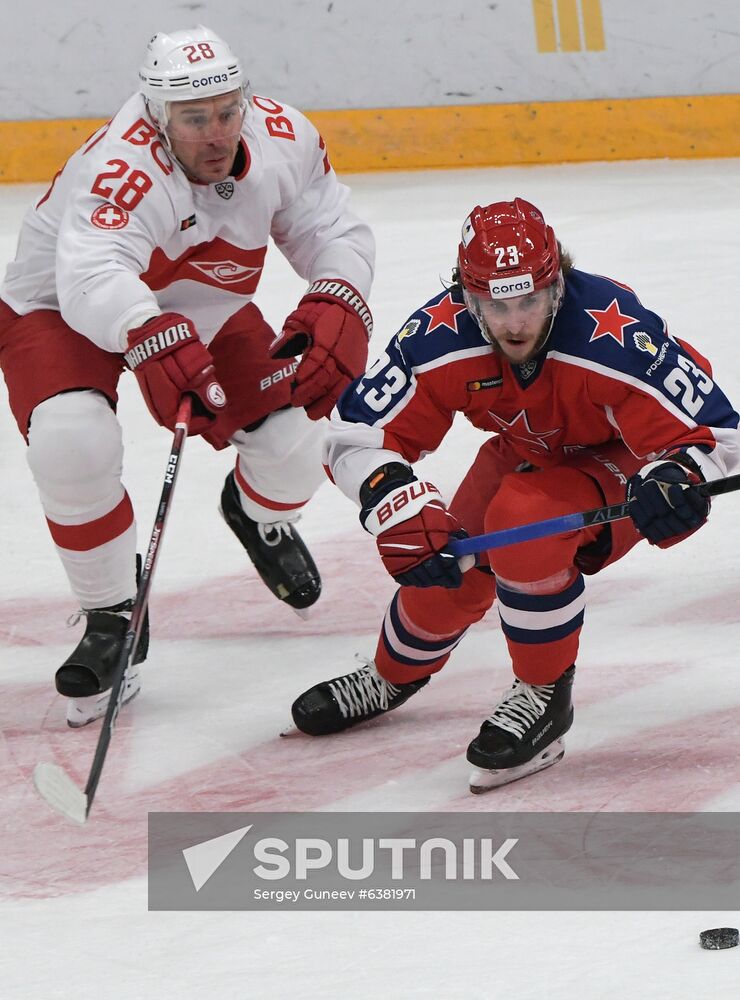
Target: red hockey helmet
(507,249)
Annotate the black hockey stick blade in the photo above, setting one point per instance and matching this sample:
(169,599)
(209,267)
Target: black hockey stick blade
(53,783)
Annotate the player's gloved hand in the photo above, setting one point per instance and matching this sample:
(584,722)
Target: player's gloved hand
(412,528)
(666,504)
(169,360)
(330,328)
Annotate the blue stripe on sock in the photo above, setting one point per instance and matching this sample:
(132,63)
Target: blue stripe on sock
(422,664)
(396,655)
(533,636)
(540,602)
(409,639)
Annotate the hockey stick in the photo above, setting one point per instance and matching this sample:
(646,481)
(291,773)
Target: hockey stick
(567,522)
(52,782)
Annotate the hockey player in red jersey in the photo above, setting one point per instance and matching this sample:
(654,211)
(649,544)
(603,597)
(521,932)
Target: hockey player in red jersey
(146,252)
(589,400)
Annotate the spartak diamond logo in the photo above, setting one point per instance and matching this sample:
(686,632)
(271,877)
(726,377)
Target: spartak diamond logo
(225,272)
(216,395)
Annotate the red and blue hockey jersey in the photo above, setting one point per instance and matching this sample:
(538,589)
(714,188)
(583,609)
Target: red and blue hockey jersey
(609,371)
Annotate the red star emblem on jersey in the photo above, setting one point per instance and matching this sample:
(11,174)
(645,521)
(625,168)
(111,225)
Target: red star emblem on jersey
(519,428)
(444,314)
(610,322)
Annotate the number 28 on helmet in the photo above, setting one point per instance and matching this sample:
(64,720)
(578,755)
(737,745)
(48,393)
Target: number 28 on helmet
(189,65)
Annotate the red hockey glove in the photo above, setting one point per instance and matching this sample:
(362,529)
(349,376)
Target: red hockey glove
(169,360)
(666,506)
(412,528)
(331,328)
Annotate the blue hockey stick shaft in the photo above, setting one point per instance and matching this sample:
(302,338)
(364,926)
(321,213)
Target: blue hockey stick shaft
(567,522)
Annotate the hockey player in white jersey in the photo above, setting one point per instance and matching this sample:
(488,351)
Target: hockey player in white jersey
(146,252)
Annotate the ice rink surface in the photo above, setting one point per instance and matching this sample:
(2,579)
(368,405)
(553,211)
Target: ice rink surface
(657,690)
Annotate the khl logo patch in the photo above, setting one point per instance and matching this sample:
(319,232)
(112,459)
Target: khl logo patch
(225,189)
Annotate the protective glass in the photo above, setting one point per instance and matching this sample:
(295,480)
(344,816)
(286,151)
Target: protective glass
(496,315)
(192,123)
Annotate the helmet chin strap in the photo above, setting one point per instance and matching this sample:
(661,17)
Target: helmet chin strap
(545,339)
(161,126)
(557,299)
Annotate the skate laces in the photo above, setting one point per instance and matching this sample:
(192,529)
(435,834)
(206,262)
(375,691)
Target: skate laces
(521,706)
(122,610)
(364,690)
(272,534)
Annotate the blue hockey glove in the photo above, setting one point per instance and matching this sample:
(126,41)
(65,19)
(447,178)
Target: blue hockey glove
(666,504)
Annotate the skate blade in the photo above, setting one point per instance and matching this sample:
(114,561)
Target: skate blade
(303,613)
(483,781)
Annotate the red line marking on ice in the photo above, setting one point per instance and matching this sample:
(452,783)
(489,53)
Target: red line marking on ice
(232,607)
(655,770)
(44,855)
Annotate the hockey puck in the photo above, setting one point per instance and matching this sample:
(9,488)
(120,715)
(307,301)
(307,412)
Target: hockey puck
(719,938)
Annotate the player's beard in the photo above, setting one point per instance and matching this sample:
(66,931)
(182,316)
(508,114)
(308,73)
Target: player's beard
(535,350)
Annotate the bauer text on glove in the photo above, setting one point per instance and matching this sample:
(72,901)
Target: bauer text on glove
(331,327)
(412,529)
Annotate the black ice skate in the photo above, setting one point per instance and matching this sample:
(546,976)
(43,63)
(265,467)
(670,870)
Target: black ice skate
(86,675)
(338,704)
(277,551)
(523,733)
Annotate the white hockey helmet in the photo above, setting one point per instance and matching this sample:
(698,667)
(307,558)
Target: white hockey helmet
(188,65)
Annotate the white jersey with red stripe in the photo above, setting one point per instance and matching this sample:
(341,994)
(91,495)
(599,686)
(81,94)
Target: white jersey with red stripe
(123,234)
(610,371)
